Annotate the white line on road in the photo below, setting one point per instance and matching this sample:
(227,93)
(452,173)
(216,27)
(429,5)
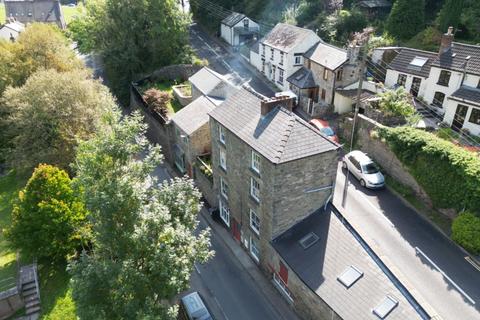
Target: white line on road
(445,275)
(473,263)
(196,268)
(220,307)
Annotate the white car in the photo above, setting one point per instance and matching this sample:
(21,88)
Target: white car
(364,169)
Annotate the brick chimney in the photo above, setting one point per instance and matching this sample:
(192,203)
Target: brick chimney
(446,42)
(267,105)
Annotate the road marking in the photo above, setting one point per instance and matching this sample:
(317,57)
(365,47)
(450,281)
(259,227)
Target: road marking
(472,262)
(417,250)
(196,268)
(220,307)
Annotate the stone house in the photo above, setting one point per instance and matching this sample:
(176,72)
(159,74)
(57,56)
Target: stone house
(325,68)
(449,81)
(280,52)
(27,11)
(237,28)
(271,169)
(322,268)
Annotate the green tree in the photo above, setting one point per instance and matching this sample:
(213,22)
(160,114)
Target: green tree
(349,22)
(40,46)
(144,246)
(471,19)
(44,119)
(450,14)
(406,19)
(133,37)
(466,231)
(49,219)
(396,103)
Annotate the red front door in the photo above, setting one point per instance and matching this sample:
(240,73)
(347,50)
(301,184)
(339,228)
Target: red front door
(236,229)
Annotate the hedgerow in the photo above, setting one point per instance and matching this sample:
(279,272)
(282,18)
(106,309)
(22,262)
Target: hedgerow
(449,174)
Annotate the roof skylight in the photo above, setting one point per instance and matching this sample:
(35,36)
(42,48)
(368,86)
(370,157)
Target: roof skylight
(309,240)
(350,276)
(418,61)
(385,307)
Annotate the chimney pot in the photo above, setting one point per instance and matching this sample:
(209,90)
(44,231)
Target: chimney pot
(446,42)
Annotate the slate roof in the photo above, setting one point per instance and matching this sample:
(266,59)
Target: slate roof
(352,93)
(35,10)
(286,37)
(194,115)
(402,61)
(233,19)
(302,78)
(280,136)
(374,4)
(206,80)
(454,58)
(467,93)
(320,265)
(327,55)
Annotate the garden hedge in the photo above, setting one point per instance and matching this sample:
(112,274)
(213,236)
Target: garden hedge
(449,174)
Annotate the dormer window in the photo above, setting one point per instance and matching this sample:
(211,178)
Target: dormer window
(444,78)
(298,59)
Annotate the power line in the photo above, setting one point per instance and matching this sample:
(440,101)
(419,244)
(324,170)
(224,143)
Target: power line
(433,112)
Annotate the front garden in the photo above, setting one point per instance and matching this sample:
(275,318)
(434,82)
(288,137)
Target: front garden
(160,98)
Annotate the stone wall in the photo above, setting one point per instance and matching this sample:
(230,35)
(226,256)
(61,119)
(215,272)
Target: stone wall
(180,96)
(10,302)
(307,304)
(206,187)
(179,72)
(158,129)
(380,152)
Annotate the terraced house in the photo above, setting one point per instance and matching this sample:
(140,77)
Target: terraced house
(274,175)
(449,81)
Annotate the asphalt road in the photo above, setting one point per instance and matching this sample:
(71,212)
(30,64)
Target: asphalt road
(394,231)
(230,65)
(223,283)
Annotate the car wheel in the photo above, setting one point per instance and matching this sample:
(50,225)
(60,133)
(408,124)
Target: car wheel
(362,183)
(344,165)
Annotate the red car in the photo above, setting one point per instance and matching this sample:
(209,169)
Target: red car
(325,128)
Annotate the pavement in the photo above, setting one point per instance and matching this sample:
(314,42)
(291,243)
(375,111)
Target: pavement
(231,284)
(228,63)
(436,271)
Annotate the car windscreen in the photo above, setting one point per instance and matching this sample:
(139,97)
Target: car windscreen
(328,131)
(370,168)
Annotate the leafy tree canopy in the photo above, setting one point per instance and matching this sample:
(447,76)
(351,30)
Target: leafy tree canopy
(40,46)
(43,120)
(49,219)
(450,14)
(396,103)
(144,246)
(133,37)
(406,19)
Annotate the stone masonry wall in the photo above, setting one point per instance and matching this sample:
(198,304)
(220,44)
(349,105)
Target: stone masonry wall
(381,153)
(294,180)
(307,304)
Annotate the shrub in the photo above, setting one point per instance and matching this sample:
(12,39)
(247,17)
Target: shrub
(396,103)
(466,232)
(449,174)
(48,220)
(157,100)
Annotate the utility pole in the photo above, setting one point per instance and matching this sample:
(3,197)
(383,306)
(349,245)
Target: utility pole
(361,39)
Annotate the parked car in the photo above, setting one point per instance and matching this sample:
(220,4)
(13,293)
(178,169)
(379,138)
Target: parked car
(325,128)
(364,169)
(192,307)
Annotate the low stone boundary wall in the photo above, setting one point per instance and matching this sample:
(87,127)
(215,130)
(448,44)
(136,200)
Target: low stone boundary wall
(180,96)
(380,152)
(10,302)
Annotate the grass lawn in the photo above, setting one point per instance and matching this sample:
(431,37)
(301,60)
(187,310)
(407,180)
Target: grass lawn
(69,13)
(2,13)
(9,187)
(57,303)
(174,106)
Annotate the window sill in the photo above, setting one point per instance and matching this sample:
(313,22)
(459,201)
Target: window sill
(255,232)
(255,172)
(257,201)
(221,142)
(443,84)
